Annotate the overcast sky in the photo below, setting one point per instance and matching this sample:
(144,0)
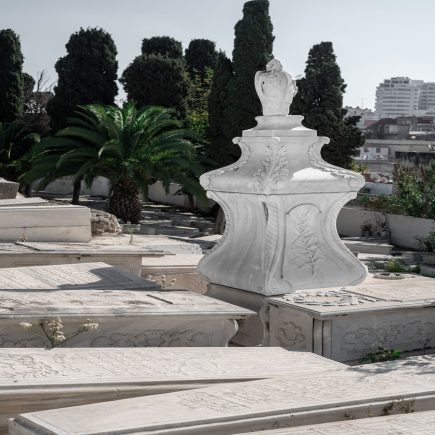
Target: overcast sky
(373,39)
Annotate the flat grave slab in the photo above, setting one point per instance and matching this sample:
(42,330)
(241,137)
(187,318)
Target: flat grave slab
(345,324)
(20,202)
(126,257)
(157,243)
(416,423)
(239,407)
(36,379)
(87,276)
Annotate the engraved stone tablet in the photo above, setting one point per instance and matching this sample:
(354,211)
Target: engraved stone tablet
(37,379)
(88,276)
(239,407)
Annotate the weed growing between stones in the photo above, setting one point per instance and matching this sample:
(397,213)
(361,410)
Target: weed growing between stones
(52,330)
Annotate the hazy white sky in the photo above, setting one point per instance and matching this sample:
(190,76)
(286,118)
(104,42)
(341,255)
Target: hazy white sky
(373,39)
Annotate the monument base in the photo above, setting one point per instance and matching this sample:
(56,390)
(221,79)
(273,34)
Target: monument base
(251,330)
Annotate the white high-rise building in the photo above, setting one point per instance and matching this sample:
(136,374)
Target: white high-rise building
(402,96)
(398,96)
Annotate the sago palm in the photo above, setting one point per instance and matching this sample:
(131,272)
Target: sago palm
(130,147)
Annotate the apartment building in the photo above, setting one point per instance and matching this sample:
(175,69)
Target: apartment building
(402,96)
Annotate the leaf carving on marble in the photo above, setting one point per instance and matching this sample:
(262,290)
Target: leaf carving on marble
(155,338)
(274,170)
(303,244)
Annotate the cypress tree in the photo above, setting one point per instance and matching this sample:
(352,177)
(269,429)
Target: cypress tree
(320,100)
(11,76)
(253,46)
(220,147)
(157,80)
(158,77)
(164,46)
(200,56)
(86,75)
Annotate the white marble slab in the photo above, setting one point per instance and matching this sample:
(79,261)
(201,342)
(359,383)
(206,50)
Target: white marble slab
(36,379)
(86,276)
(240,407)
(41,223)
(416,423)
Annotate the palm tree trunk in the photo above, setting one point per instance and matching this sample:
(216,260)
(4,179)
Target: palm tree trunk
(76,192)
(125,201)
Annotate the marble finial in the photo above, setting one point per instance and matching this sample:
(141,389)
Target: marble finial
(275,88)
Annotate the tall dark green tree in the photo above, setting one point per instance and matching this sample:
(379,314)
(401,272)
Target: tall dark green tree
(164,46)
(158,81)
(86,75)
(200,56)
(253,46)
(220,147)
(11,76)
(320,100)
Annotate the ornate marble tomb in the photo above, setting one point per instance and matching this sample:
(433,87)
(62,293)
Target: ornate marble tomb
(346,324)
(280,201)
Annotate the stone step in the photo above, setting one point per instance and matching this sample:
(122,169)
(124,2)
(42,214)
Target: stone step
(367,246)
(289,401)
(37,379)
(167,230)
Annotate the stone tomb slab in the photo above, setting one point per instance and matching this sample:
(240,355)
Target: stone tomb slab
(37,379)
(22,202)
(241,407)
(21,254)
(347,323)
(87,276)
(126,318)
(45,223)
(416,423)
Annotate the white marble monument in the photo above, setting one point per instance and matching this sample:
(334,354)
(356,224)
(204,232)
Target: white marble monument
(281,202)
